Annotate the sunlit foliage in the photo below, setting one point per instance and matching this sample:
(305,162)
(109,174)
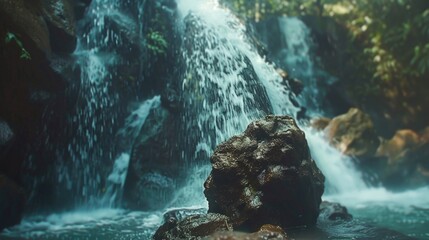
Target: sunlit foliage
(394,35)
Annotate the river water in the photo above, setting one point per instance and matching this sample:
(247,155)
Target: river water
(374,208)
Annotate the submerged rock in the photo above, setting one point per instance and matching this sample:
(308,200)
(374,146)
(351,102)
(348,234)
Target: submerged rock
(265,232)
(193,227)
(353,134)
(334,211)
(12,201)
(265,176)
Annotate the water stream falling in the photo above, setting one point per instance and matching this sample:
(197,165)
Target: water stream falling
(96,115)
(226,85)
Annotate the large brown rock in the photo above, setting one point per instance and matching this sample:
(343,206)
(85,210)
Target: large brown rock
(353,134)
(265,176)
(398,146)
(12,201)
(405,159)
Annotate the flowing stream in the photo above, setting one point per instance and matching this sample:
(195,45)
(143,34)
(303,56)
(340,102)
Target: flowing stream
(227,84)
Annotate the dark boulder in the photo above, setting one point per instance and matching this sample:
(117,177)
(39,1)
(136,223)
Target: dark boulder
(266,176)
(193,227)
(60,19)
(179,214)
(334,211)
(12,201)
(154,163)
(265,232)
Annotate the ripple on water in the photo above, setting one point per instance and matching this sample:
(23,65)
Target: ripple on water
(90,224)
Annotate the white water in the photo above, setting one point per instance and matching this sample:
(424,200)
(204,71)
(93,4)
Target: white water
(344,183)
(339,170)
(96,114)
(133,123)
(298,59)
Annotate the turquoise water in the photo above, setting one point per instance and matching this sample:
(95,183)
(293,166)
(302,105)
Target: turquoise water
(378,214)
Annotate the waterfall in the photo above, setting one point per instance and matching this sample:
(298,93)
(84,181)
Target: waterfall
(225,43)
(295,54)
(133,123)
(101,98)
(227,84)
(227,81)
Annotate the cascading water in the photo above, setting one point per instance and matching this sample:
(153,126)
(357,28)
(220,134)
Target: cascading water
(226,84)
(344,183)
(95,118)
(103,48)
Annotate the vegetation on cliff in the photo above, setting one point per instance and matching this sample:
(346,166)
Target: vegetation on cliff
(388,55)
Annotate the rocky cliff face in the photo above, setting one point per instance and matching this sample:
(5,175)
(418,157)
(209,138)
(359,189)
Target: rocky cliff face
(31,34)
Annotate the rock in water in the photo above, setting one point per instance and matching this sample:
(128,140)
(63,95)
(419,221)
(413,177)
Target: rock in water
(334,211)
(265,176)
(266,232)
(193,227)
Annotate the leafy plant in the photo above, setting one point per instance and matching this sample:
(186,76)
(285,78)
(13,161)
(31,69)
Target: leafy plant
(12,37)
(156,42)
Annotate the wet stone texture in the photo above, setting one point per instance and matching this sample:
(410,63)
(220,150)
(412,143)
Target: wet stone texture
(193,227)
(265,176)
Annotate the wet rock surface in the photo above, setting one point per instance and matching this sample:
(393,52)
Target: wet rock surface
(266,232)
(193,227)
(353,134)
(334,211)
(12,201)
(154,166)
(265,176)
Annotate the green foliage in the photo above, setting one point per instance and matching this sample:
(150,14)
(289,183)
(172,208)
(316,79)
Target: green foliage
(393,33)
(12,37)
(156,43)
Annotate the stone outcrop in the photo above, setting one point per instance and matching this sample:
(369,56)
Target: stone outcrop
(193,227)
(398,146)
(154,164)
(12,201)
(50,24)
(265,176)
(334,211)
(353,134)
(400,161)
(36,36)
(320,123)
(405,159)
(265,232)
